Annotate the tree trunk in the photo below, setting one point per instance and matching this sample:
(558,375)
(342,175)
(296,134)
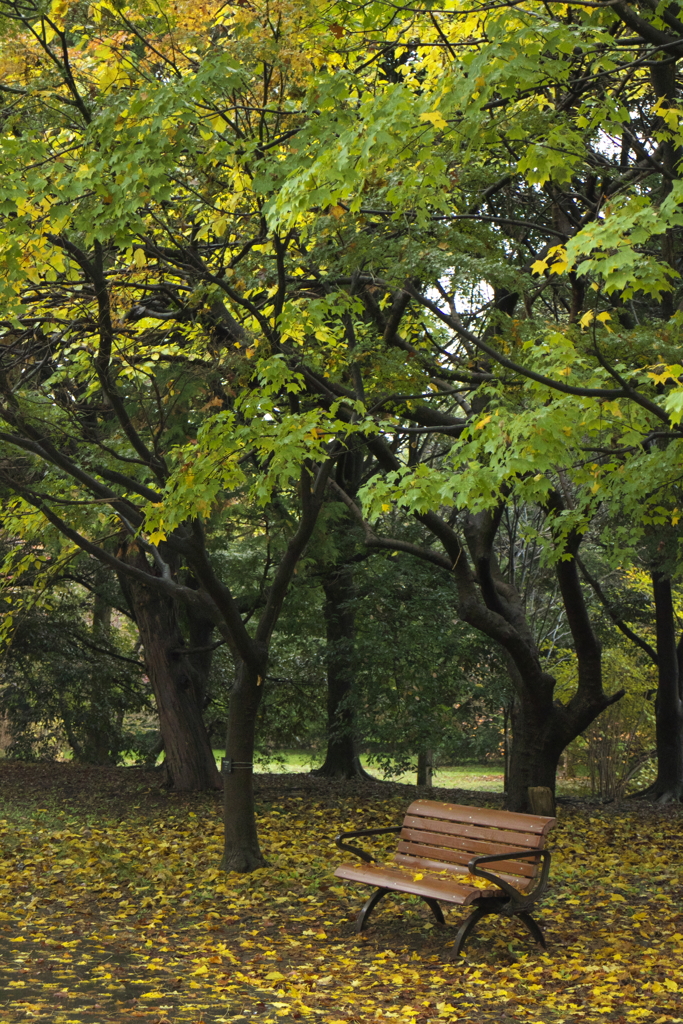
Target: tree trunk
(669,706)
(425,766)
(200,631)
(241,850)
(341,759)
(534,754)
(189,763)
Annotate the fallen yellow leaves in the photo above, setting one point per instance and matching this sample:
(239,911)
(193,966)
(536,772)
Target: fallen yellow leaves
(110,917)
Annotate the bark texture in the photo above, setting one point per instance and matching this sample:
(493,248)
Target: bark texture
(241,850)
(189,763)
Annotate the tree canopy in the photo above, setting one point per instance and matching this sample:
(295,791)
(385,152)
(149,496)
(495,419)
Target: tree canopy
(424,260)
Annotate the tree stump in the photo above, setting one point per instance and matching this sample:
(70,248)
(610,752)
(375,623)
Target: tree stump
(541,800)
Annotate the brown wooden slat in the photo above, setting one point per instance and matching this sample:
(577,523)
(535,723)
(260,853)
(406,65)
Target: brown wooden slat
(534,823)
(401,880)
(472,847)
(492,835)
(439,853)
(417,863)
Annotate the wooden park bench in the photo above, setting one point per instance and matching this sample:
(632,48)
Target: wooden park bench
(441,843)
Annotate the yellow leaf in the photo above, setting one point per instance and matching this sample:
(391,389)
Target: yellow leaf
(139,258)
(669,373)
(539,267)
(157,537)
(559,255)
(482,423)
(275,976)
(559,266)
(587,318)
(435,118)
(337,211)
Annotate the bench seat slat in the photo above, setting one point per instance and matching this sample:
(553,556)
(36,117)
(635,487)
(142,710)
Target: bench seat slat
(402,880)
(447,857)
(529,841)
(461,850)
(418,863)
(486,817)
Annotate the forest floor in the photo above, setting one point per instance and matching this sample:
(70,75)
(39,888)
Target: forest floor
(112,910)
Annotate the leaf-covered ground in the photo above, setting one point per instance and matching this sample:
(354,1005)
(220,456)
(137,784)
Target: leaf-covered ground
(111,909)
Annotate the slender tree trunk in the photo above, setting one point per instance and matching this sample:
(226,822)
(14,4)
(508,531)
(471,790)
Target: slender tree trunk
(200,631)
(669,706)
(97,734)
(425,767)
(341,760)
(507,749)
(241,850)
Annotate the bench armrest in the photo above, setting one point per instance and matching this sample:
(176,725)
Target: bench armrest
(339,840)
(516,897)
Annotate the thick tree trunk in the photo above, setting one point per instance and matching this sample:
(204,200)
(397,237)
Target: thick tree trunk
(189,762)
(542,727)
(341,759)
(534,754)
(669,705)
(241,850)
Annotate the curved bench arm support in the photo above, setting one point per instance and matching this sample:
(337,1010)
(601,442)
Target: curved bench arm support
(519,899)
(363,854)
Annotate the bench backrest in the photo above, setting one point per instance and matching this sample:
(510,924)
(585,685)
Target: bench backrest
(447,836)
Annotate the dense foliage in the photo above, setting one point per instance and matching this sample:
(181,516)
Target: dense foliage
(421,264)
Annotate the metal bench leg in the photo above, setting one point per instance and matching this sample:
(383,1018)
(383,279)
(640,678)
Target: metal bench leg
(368,908)
(435,909)
(531,926)
(467,927)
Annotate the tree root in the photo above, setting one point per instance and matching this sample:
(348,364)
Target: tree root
(353,771)
(242,861)
(659,793)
